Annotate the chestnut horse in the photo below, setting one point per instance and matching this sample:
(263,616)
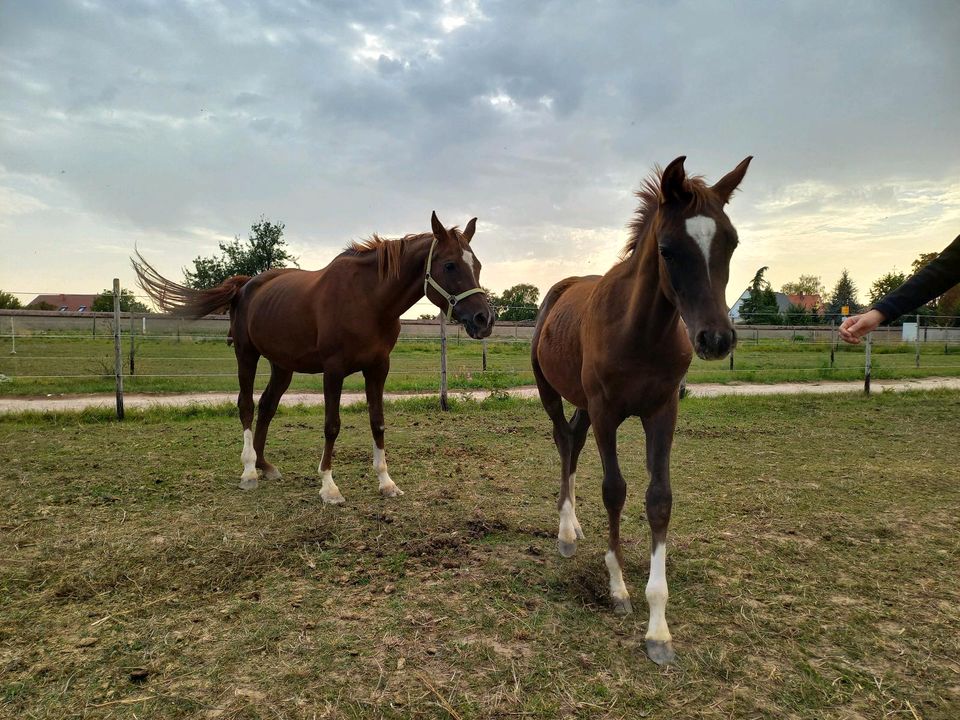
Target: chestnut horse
(336,321)
(618,346)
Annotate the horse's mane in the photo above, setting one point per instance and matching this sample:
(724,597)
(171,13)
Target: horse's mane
(650,199)
(388,250)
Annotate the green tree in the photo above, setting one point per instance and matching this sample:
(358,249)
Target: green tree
(264,249)
(844,294)
(516,303)
(760,306)
(806,285)
(128,302)
(885,284)
(798,315)
(9,301)
(42,305)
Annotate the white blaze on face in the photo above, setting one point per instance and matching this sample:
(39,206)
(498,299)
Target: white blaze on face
(618,588)
(702,229)
(248,456)
(657,595)
(468,259)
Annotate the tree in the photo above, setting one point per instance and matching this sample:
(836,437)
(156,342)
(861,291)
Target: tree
(760,306)
(128,302)
(806,285)
(9,301)
(517,303)
(844,294)
(886,284)
(42,305)
(264,249)
(798,315)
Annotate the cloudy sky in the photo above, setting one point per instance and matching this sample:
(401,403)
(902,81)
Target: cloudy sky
(174,125)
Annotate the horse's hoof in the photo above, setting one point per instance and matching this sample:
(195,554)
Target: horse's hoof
(332,497)
(391,490)
(248,483)
(661,651)
(567,549)
(622,606)
(271,473)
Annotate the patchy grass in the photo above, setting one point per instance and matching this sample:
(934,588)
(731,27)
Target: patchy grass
(77,364)
(812,567)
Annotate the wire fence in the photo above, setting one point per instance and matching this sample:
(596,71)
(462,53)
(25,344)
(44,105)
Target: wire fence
(47,353)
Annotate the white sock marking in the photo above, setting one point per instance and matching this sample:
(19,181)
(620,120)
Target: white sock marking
(568,533)
(702,229)
(328,488)
(657,595)
(618,589)
(380,466)
(248,456)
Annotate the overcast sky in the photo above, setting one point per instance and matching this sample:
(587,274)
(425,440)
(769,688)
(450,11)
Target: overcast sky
(174,125)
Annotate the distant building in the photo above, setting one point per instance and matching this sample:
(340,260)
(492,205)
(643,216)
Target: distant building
(65,303)
(813,303)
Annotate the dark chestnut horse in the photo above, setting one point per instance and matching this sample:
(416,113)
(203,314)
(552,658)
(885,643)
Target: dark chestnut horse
(618,346)
(336,321)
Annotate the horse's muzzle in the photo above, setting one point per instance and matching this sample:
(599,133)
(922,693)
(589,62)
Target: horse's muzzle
(479,325)
(714,344)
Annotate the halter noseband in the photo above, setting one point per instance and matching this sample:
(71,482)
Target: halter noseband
(451,298)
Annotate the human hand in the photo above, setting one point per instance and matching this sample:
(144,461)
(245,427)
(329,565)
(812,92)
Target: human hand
(856,326)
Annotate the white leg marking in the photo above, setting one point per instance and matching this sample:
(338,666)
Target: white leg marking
(702,229)
(573,502)
(329,492)
(657,595)
(618,589)
(569,525)
(388,488)
(248,456)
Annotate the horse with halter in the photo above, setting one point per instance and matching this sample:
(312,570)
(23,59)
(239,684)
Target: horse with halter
(337,321)
(619,345)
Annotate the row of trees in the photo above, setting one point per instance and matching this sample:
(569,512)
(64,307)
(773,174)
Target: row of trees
(761,307)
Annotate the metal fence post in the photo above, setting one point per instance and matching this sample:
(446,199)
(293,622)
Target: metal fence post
(117,351)
(444,405)
(132,343)
(731,359)
(484,354)
(13,337)
(866,366)
(916,341)
(833,343)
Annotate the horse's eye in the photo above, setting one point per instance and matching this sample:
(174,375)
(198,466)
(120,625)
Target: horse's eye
(450,267)
(667,253)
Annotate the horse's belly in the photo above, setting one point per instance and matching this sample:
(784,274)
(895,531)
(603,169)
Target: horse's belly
(560,360)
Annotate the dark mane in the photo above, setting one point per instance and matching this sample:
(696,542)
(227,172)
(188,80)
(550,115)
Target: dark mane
(388,251)
(650,198)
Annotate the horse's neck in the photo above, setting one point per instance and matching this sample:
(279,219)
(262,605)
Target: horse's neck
(645,309)
(398,293)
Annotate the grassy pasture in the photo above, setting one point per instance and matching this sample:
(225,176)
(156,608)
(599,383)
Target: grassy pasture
(812,567)
(81,364)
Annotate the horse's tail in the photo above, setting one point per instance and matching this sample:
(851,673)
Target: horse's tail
(182,300)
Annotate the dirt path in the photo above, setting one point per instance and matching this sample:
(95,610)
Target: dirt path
(139,400)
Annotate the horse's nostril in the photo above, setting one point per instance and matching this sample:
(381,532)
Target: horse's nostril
(480,319)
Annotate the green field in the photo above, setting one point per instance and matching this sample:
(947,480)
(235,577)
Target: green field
(77,364)
(812,567)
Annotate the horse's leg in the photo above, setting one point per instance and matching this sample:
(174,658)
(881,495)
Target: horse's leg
(374,378)
(614,497)
(246,373)
(659,429)
(332,387)
(567,535)
(579,425)
(266,409)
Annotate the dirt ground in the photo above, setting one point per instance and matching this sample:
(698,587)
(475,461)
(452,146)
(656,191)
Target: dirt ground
(133,400)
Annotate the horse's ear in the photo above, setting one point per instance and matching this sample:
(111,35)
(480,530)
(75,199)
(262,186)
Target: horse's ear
(725,186)
(439,231)
(470,229)
(672,182)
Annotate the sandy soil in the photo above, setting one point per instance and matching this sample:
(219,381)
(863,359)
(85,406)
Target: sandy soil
(142,400)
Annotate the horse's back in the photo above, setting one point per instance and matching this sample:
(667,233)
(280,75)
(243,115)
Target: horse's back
(556,349)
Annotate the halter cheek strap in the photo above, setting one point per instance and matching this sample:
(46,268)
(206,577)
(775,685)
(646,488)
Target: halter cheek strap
(451,298)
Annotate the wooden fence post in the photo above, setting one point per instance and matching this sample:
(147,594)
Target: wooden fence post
(484,354)
(444,405)
(916,341)
(117,350)
(132,341)
(13,337)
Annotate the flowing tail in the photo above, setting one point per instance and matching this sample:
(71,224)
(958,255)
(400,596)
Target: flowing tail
(182,300)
